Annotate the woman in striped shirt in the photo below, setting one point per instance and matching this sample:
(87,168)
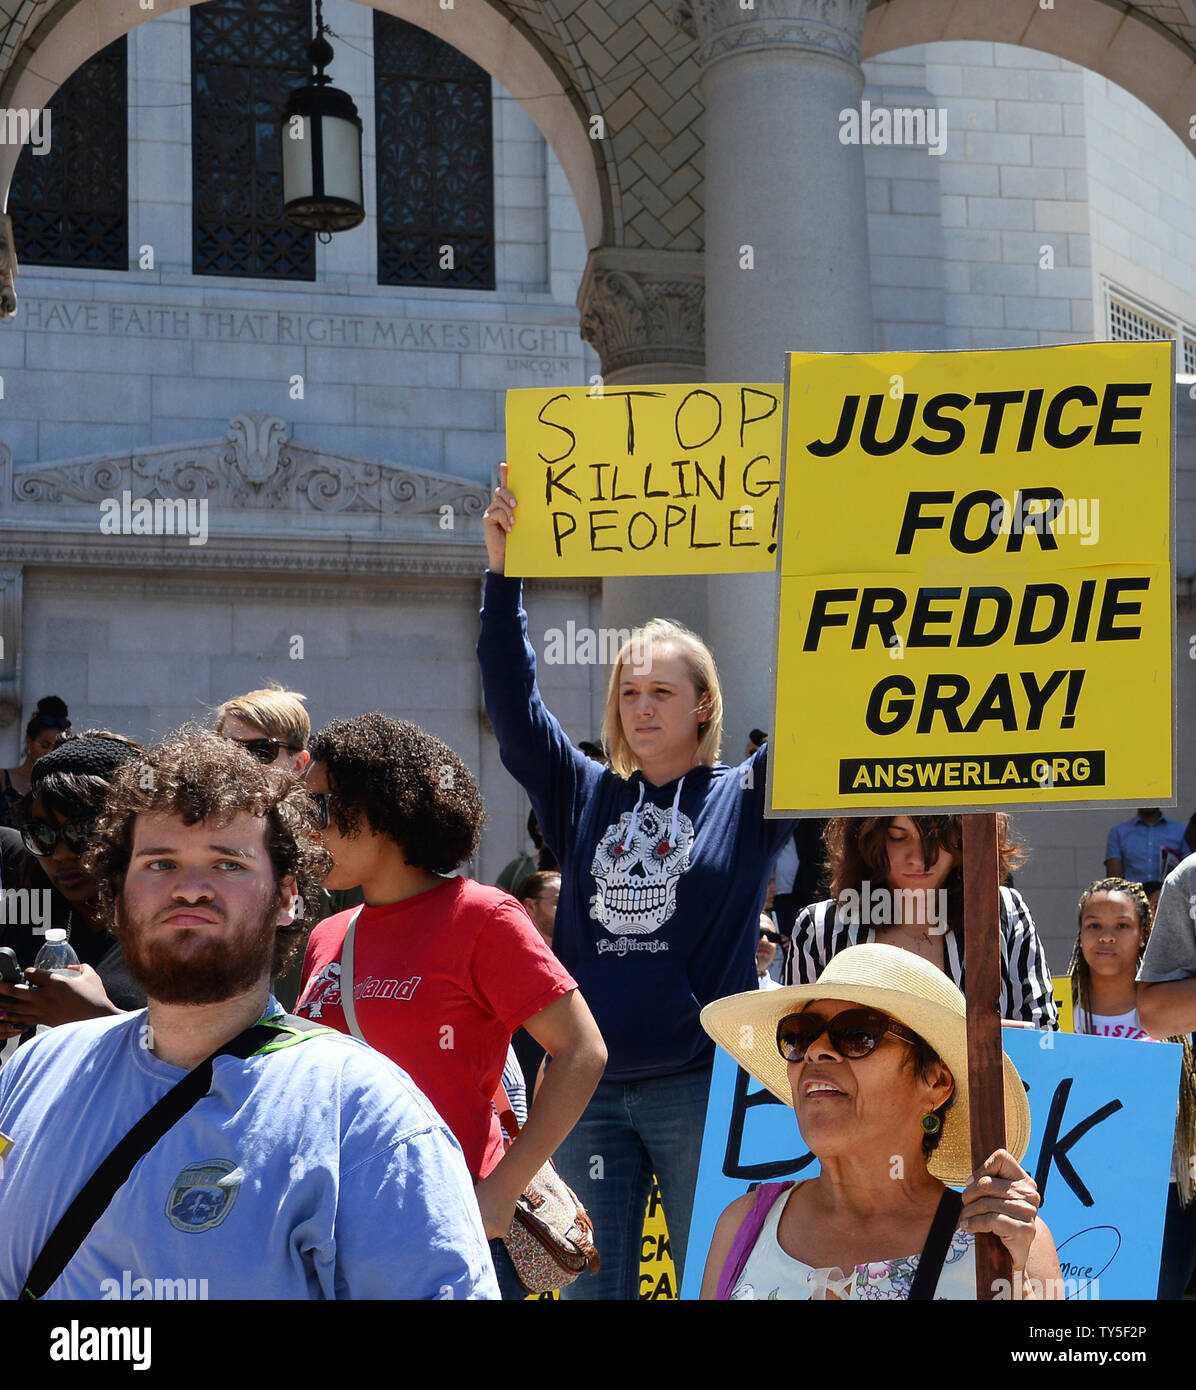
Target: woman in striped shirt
(899,880)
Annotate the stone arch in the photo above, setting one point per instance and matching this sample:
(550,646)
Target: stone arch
(1118,41)
(73,30)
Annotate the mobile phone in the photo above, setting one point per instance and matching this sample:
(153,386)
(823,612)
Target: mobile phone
(10,969)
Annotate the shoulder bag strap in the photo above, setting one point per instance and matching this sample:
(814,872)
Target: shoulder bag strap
(747,1235)
(938,1242)
(347,977)
(506,1114)
(93,1199)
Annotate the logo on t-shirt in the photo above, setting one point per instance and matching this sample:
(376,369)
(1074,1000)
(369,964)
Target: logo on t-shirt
(637,879)
(324,989)
(203,1195)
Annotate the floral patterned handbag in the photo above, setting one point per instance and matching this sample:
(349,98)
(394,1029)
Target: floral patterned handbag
(551,1240)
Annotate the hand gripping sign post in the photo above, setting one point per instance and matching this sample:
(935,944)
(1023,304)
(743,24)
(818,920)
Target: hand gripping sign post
(644,480)
(974,590)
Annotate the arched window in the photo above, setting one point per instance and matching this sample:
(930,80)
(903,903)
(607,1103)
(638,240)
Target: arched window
(69,200)
(246,56)
(435,158)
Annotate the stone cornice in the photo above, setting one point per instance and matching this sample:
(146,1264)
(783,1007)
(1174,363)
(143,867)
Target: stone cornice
(722,27)
(324,556)
(644,308)
(415,586)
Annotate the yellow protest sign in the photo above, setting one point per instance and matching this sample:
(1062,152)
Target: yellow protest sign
(643,480)
(1064,1002)
(976,603)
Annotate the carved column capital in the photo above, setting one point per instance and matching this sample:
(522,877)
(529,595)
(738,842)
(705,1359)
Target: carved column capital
(832,27)
(645,310)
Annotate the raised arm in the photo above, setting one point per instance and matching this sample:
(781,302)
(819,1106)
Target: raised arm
(534,748)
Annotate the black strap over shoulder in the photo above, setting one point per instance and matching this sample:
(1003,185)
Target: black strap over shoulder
(75,1225)
(934,1252)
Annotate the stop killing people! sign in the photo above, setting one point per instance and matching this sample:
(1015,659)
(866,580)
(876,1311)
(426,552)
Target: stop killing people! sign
(975,604)
(639,480)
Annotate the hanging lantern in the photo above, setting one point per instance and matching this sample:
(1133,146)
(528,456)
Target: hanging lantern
(321,150)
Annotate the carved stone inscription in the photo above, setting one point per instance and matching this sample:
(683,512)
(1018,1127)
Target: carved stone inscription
(273,326)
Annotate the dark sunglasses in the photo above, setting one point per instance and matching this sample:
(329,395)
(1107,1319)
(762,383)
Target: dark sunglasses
(854,1033)
(41,838)
(265,750)
(323,801)
(772,936)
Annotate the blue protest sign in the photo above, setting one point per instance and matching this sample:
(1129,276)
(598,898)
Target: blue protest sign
(1100,1109)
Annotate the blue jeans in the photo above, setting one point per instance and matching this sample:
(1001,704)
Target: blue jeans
(1179,1246)
(629,1131)
(508,1281)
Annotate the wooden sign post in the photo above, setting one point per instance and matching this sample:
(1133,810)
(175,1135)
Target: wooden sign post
(982,971)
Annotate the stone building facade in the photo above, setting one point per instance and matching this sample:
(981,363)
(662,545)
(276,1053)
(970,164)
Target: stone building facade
(342,552)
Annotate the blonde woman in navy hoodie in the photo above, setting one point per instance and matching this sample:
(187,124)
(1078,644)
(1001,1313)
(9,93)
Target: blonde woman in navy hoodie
(665,858)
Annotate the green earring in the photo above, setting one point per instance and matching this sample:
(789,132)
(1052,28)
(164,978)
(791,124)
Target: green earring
(931,1124)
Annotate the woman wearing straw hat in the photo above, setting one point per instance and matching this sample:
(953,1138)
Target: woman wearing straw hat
(873,1059)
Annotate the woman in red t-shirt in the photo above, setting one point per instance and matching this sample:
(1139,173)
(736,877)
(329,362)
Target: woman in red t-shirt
(444,969)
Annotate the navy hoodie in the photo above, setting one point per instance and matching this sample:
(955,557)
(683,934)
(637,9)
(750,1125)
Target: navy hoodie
(660,893)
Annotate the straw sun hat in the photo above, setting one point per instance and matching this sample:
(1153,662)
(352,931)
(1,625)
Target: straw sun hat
(908,989)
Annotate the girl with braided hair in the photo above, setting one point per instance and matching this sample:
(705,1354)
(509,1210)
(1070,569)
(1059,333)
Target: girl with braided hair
(1114,928)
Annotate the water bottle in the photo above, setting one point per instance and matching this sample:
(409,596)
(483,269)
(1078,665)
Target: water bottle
(57,955)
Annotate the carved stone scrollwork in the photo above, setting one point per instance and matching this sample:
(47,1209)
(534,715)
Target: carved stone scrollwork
(644,308)
(257,467)
(726,26)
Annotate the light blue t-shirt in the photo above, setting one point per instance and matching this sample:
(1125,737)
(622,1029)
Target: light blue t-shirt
(314,1171)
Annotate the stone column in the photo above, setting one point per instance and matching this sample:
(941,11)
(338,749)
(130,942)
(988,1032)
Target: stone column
(787,263)
(642,312)
(12,744)
(8,271)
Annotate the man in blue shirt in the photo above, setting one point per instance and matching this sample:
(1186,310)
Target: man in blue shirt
(1146,848)
(313,1168)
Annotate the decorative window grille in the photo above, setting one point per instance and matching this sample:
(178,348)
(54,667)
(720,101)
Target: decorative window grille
(70,206)
(435,160)
(246,56)
(1132,320)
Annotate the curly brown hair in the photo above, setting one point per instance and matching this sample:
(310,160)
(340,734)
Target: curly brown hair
(857,852)
(406,784)
(196,776)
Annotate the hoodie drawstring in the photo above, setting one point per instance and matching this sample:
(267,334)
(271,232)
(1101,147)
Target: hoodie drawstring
(633,825)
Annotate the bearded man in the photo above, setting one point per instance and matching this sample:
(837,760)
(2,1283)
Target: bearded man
(290,1162)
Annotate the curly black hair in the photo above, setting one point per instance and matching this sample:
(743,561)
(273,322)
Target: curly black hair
(408,786)
(197,776)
